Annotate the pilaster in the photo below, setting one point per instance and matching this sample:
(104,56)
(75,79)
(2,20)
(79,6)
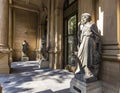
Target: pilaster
(58,37)
(41,27)
(52,35)
(4,27)
(108,23)
(37,50)
(10,41)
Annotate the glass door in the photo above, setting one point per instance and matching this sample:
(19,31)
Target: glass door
(70,31)
(70,41)
(71,37)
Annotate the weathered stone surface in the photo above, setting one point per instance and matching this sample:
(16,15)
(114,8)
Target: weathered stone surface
(4,50)
(110,75)
(24,58)
(4,23)
(25,28)
(76,86)
(109,88)
(4,64)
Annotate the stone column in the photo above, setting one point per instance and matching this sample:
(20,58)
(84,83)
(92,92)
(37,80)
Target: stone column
(48,25)
(41,26)
(10,31)
(57,13)
(52,35)
(109,23)
(37,50)
(58,39)
(4,27)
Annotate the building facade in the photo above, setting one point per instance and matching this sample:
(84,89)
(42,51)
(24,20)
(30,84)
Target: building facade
(54,22)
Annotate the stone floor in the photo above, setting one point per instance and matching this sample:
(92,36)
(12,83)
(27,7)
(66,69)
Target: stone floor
(27,77)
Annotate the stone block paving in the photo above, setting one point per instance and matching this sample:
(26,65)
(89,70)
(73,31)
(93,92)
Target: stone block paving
(27,77)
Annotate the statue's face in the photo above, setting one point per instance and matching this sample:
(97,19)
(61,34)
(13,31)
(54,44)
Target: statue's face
(84,19)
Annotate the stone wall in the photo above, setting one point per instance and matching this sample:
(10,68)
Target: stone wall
(4,63)
(25,28)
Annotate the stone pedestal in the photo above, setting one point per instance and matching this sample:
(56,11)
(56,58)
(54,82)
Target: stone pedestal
(76,86)
(24,58)
(43,64)
(4,63)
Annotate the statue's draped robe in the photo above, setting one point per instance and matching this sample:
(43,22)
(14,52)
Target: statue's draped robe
(89,49)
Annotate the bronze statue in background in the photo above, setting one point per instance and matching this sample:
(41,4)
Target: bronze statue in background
(25,48)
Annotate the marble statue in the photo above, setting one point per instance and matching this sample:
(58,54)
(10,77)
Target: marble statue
(89,50)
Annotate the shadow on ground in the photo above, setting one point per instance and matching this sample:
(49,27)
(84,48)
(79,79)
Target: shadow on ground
(60,91)
(27,77)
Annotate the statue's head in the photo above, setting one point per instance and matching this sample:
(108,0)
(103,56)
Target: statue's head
(85,17)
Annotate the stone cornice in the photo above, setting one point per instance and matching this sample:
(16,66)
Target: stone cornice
(111,58)
(26,8)
(4,50)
